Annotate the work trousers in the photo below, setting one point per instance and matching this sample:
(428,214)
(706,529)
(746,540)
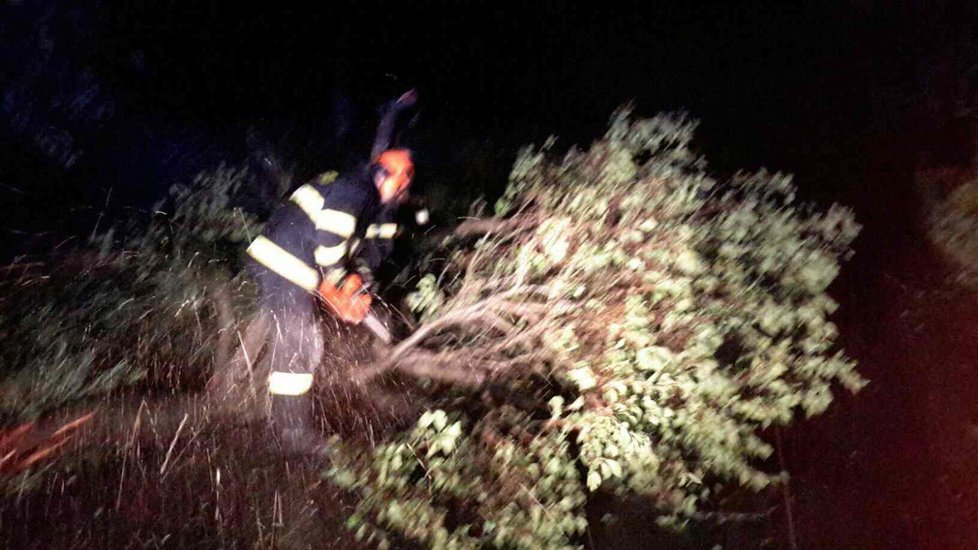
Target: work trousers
(295,339)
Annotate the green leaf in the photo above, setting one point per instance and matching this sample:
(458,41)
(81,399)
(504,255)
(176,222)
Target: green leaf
(425,420)
(439,419)
(593,480)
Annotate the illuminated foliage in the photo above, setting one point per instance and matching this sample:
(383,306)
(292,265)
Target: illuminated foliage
(626,323)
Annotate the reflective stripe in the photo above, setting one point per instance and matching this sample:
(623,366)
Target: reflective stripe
(289,383)
(336,222)
(382,231)
(329,255)
(281,261)
(326,178)
(309,200)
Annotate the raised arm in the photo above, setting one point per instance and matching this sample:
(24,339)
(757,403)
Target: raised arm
(388,122)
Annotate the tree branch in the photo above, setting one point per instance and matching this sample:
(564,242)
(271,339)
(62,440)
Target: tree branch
(452,367)
(467,314)
(733,517)
(472,228)
(436,372)
(456,367)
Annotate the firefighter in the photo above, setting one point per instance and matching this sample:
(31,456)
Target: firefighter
(322,246)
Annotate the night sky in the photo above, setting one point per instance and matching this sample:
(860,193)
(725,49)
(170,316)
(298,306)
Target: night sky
(133,96)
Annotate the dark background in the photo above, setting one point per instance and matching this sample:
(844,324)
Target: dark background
(104,105)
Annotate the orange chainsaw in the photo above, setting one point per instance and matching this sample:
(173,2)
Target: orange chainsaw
(351,301)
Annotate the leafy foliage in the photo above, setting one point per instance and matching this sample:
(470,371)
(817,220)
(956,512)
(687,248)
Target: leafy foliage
(629,324)
(626,323)
(950,204)
(148,308)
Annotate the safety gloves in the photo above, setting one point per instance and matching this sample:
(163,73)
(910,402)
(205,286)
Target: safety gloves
(349,301)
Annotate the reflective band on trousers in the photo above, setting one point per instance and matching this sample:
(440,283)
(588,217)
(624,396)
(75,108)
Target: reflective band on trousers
(329,255)
(289,383)
(284,263)
(381,231)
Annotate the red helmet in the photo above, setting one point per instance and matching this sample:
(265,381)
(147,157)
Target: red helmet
(399,170)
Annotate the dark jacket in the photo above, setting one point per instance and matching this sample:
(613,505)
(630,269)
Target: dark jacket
(323,228)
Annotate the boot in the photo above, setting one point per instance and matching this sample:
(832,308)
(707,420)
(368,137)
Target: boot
(293,427)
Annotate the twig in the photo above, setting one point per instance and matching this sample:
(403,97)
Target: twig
(125,457)
(74,424)
(786,495)
(736,517)
(251,371)
(13,436)
(41,454)
(54,441)
(7,457)
(166,460)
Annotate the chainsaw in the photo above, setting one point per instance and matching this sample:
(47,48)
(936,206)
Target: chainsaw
(372,322)
(377,328)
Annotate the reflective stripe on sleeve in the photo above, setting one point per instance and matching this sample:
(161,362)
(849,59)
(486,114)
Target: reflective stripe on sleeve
(326,178)
(381,231)
(281,261)
(336,222)
(289,383)
(329,255)
(309,200)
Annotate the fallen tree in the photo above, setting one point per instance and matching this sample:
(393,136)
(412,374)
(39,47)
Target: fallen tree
(624,323)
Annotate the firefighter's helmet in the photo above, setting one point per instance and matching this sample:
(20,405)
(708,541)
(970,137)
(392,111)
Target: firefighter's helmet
(398,170)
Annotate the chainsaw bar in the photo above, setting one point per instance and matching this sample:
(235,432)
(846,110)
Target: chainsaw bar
(378,328)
